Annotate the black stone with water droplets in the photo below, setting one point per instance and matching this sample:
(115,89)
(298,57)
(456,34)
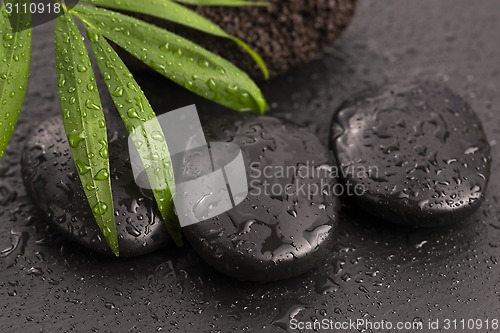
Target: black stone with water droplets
(51,179)
(272,234)
(417,149)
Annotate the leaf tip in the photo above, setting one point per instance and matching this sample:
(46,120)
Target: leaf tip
(265,71)
(112,241)
(178,241)
(113,245)
(262,106)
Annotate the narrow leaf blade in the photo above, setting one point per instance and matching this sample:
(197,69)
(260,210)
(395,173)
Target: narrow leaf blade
(84,123)
(171,11)
(178,59)
(135,111)
(15,61)
(231,3)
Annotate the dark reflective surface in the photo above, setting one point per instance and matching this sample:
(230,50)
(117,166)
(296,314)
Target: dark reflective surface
(377,270)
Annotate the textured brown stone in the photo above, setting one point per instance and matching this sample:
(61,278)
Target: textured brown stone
(286,34)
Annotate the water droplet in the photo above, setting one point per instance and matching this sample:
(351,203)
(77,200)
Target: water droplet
(82,167)
(157,136)
(220,70)
(204,63)
(104,152)
(131,113)
(157,67)
(61,81)
(211,84)
(93,36)
(165,47)
(103,174)
(132,86)
(81,68)
(100,209)
(8,36)
(91,105)
(232,89)
(245,97)
(118,92)
(133,230)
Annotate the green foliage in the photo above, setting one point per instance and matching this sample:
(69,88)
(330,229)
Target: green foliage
(177,58)
(174,12)
(135,110)
(84,123)
(15,60)
(232,3)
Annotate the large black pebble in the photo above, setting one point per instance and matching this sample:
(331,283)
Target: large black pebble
(417,150)
(282,234)
(51,180)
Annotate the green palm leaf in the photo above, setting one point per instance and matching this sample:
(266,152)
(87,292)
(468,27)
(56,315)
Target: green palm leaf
(135,111)
(174,12)
(232,3)
(178,59)
(84,123)
(15,61)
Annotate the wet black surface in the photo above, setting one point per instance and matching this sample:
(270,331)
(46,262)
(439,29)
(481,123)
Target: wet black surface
(286,225)
(377,270)
(414,151)
(51,181)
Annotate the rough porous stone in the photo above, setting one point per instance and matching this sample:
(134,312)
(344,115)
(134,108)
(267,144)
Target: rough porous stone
(286,34)
(51,180)
(417,150)
(288,222)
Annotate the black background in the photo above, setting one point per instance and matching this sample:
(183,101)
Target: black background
(377,271)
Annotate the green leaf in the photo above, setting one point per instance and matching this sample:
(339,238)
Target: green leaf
(223,3)
(15,60)
(178,59)
(174,12)
(84,123)
(136,113)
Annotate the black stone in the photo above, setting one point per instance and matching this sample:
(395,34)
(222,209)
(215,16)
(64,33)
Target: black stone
(279,232)
(418,151)
(51,180)
(286,34)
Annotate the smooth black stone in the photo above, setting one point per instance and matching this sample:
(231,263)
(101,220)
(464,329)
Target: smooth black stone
(51,180)
(425,154)
(276,236)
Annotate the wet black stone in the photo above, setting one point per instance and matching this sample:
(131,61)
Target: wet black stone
(417,149)
(51,180)
(286,34)
(279,232)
